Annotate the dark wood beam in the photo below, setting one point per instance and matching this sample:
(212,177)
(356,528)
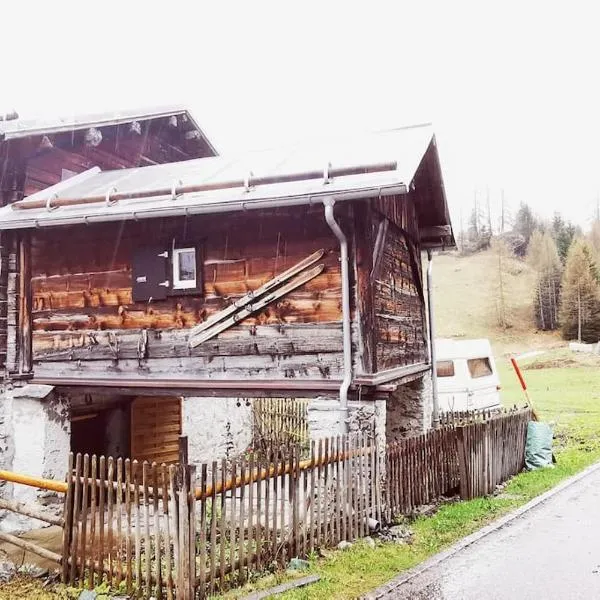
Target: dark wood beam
(25,316)
(436,231)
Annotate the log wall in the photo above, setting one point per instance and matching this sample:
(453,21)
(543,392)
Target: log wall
(84,319)
(85,322)
(399,308)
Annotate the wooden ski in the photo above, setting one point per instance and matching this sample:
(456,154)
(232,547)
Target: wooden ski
(250,308)
(263,289)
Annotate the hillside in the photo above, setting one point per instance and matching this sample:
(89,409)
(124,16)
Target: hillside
(465,291)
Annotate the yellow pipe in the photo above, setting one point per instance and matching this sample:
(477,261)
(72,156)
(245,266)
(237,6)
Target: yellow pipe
(38,482)
(249,477)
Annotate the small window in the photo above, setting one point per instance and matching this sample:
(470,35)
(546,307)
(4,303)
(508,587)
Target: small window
(479,367)
(185,275)
(445,368)
(159,272)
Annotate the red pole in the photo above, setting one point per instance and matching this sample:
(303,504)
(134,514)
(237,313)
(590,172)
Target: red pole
(519,374)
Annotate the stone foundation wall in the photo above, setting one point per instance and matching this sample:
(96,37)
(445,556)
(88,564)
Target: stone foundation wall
(216,427)
(327,419)
(36,434)
(409,409)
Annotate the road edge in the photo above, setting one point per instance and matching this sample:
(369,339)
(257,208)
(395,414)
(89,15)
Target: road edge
(463,543)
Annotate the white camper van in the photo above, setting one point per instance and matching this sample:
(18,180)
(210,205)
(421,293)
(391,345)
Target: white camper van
(467,376)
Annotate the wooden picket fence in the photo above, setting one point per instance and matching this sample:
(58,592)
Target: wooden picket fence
(491,451)
(147,526)
(279,422)
(183,532)
(129,522)
(261,511)
(471,453)
(420,469)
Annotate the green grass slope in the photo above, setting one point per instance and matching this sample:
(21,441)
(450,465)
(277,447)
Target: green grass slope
(465,294)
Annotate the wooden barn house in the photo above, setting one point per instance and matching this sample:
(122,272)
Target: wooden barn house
(162,299)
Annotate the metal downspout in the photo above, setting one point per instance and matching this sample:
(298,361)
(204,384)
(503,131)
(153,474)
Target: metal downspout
(434,382)
(346,319)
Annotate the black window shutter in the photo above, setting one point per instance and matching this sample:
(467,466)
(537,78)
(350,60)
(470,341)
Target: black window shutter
(150,278)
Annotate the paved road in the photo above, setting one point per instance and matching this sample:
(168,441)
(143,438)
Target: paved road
(551,552)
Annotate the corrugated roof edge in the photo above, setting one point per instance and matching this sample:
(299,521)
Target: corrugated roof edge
(12,130)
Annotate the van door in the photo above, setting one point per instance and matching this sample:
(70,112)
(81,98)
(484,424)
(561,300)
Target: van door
(483,383)
(452,385)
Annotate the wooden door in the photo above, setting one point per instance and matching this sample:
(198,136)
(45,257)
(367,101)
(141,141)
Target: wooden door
(155,428)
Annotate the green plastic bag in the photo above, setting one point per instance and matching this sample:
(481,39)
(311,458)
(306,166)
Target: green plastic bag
(538,447)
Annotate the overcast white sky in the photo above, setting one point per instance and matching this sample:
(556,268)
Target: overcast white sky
(511,87)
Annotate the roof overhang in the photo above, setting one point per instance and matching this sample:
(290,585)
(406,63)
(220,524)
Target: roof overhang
(21,128)
(390,163)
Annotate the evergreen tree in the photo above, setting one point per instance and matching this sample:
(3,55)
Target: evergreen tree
(543,257)
(525,225)
(580,304)
(564,234)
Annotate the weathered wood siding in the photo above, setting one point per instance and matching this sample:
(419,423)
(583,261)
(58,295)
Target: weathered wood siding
(84,319)
(389,294)
(401,334)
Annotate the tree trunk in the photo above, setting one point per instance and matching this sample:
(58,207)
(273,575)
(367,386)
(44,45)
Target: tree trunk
(579,314)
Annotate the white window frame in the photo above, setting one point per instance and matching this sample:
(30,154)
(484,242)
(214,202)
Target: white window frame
(186,284)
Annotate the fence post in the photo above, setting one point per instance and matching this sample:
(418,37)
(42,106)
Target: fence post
(183,450)
(186,526)
(67,523)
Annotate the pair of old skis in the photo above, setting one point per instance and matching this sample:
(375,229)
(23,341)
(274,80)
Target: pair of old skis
(254,301)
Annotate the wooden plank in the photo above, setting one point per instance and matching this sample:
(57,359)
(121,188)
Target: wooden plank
(360,480)
(31,511)
(202,574)
(191,506)
(174,518)
(266,538)
(129,534)
(110,517)
(93,511)
(151,415)
(312,498)
(222,526)
(259,506)
(68,522)
(213,528)
(101,509)
(119,499)
(320,495)
(250,554)
(234,523)
(84,510)
(147,539)
(275,530)
(284,517)
(337,521)
(242,521)
(136,476)
(183,574)
(157,534)
(293,479)
(164,483)
(25,304)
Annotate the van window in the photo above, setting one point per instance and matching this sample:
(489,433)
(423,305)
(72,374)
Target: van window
(445,368)
(479,367)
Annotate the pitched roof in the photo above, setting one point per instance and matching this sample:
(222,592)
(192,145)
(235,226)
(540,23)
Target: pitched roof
(384,163)
(19,128)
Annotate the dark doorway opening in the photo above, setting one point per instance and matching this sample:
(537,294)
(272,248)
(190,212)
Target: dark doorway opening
(103,431)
